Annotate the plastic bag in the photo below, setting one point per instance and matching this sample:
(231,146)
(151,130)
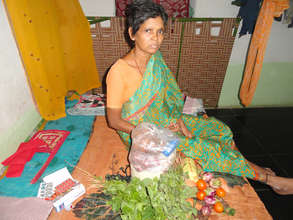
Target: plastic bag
(153,150)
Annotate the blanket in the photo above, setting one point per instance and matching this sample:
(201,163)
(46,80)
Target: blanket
(24,209)
(80,128)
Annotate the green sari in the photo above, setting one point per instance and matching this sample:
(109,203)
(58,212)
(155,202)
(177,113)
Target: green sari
(159,100)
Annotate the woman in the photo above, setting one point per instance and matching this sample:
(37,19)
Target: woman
(141,88)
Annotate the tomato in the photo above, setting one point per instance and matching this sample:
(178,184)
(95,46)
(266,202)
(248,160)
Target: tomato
(201,184)
(220,192)
(200,195)
(218,207)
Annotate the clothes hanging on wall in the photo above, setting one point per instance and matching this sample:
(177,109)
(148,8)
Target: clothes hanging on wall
(248,12)
(174,8)
(269,10)
(288,15)
(55,45)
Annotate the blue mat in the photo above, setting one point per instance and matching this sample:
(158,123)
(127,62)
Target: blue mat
(80,128)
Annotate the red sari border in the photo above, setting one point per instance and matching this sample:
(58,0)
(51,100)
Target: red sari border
(143,108)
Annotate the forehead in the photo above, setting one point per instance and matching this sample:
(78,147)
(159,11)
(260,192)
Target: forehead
(156,22)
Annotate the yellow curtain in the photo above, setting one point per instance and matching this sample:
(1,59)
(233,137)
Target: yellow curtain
(269,10)
(55,44)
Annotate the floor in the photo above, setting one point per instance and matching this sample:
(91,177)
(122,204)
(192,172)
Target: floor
(106,153)
(264,136)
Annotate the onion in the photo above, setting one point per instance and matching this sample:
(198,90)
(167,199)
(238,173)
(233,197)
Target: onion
(207,176)
(210,200)
(206,210)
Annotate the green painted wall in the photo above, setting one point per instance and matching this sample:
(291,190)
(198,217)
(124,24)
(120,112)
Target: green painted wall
(18,132)
(274,87)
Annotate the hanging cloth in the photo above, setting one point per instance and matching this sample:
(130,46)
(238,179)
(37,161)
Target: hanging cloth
(55,45)
(248,12)
(288,15)
(269,10)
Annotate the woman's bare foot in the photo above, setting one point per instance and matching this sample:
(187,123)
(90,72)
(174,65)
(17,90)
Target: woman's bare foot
(262,170)
(281,185)
(269,171)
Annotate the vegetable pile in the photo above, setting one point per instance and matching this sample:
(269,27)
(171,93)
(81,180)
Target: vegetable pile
(209,194)
(183,192)
(164,198)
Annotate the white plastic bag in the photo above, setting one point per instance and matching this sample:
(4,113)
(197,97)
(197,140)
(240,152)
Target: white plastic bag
(153,150)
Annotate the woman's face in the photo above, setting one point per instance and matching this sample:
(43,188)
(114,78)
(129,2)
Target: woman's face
(149,36)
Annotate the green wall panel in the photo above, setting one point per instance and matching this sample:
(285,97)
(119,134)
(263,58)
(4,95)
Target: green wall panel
(274,88)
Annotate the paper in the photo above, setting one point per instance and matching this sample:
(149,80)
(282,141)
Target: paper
(64,200)
(58,177)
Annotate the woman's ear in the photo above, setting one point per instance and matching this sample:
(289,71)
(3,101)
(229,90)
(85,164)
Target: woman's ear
(130,34)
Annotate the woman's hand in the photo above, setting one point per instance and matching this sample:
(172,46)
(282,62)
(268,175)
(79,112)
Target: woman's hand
(173,127)
(183,129)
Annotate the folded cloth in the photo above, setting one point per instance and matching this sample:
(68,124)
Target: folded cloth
(54,139)
(31,208)
(193,106)
(24,153)
(45,141)
(89,104)
(24,148)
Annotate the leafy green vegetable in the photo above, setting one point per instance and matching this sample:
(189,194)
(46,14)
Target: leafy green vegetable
(159,199)
(95,207)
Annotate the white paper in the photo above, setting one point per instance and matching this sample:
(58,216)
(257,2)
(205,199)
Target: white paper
(58,177)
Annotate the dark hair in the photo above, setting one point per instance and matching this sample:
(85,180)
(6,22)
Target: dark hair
(140,10)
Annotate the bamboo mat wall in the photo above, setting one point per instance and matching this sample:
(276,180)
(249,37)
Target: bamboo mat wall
(196,50)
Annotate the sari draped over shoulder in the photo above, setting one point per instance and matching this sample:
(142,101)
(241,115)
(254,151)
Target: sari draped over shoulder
(159,100)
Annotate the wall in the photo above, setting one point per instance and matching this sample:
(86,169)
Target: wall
(18,114)
(274,87)
(98,7)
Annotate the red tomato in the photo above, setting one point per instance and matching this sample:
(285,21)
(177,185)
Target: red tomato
(200,195)
(220,192)
(218,207)
(201,184)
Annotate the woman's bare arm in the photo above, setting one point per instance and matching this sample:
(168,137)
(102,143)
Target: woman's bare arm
(116,122)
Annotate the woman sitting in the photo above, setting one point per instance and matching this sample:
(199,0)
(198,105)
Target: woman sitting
(141,88)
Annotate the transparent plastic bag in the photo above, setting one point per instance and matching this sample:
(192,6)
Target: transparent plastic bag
(153,150)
